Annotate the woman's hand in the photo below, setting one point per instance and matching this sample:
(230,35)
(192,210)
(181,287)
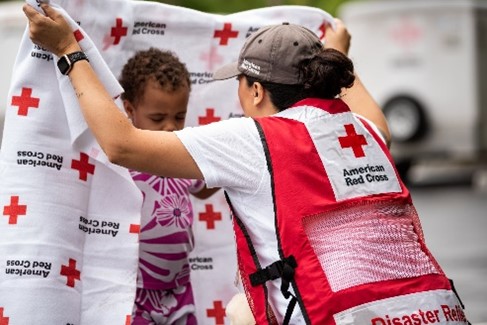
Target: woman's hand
(338,38)
(52,31)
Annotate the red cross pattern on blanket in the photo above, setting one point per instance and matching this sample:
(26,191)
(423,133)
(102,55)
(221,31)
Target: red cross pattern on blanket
(225,34)
(3,319)
(25,101)
(210,117)
(204,42)
(218,312)
(14,210)
(70,272)
(134,229)
(353,140)
(78,35)
(118,31)
(212,58)
(210,216)
(322,29)
(83,166)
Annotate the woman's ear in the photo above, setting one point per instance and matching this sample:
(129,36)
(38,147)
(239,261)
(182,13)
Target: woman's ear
(258,93)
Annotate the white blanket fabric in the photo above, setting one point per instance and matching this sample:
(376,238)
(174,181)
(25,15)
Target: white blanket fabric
(68,238)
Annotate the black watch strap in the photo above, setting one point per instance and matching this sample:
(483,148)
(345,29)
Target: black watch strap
(66,62)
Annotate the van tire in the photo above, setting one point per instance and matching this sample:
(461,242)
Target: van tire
(406,118)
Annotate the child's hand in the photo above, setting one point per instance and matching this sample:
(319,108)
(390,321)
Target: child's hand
(52,31)
(338,38)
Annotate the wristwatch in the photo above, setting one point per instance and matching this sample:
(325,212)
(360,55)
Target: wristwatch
(66,62)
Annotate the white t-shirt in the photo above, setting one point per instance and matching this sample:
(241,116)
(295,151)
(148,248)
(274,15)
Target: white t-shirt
(230,155)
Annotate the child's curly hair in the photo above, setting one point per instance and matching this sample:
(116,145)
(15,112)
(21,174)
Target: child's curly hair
(153,64)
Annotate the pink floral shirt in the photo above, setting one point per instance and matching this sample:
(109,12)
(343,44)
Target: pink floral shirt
(166,236)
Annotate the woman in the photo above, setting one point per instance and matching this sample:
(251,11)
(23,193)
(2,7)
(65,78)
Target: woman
(326,231)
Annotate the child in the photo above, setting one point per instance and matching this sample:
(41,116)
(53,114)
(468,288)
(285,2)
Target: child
(157,87)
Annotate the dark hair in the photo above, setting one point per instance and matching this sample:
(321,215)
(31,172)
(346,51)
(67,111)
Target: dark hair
(153,64)
(323,76)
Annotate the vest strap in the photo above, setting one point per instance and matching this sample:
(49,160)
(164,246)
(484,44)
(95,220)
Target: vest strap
(283,268)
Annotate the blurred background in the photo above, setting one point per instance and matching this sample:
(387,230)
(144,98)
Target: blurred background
(425,62)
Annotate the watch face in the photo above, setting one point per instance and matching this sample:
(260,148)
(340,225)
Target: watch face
(63,65)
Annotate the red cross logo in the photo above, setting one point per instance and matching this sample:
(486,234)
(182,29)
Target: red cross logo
(78,35)
(406,34)
(134,229)
(210,216)
(83,166)
(25,101)
(225,34)
(209,117)
(3,319)
(14,210)
(118,31)
(212,57)
(323,30)
(70,272)
(353,140)
(218,312)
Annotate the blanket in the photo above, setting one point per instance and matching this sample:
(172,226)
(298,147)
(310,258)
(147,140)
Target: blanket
(69,221)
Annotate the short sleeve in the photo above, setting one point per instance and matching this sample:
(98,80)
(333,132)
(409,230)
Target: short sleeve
(229,153)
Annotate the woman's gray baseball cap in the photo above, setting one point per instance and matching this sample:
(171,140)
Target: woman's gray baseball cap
(274,54)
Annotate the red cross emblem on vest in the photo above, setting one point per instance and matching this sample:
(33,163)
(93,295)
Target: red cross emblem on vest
(353,140)
(118,31)
(70,272)
(225,34)
(25,101)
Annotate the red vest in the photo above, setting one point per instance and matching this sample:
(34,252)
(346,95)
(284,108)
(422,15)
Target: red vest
(347,219)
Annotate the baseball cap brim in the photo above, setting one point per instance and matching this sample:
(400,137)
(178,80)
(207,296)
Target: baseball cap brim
(227,71)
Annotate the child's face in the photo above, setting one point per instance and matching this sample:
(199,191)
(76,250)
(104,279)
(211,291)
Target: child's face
(159,109)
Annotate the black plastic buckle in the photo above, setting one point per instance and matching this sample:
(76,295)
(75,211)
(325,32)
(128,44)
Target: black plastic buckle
(272,271)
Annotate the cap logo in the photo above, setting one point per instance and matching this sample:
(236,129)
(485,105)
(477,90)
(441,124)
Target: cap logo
(250,67)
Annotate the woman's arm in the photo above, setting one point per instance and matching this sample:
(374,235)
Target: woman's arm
(357,97)
(155,152)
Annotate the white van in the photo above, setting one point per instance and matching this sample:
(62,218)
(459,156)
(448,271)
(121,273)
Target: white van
(12,26)
(425,62)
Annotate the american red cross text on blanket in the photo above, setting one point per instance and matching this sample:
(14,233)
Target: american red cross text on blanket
(70,219)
